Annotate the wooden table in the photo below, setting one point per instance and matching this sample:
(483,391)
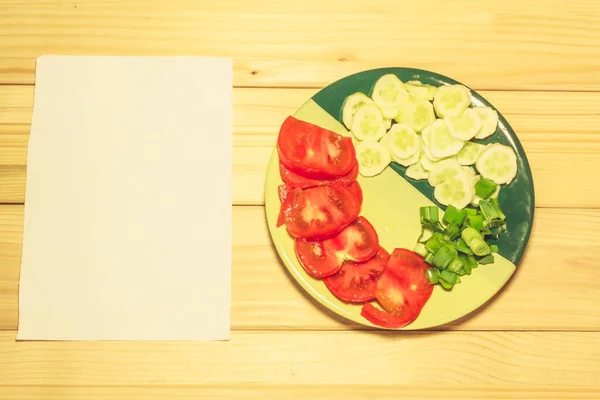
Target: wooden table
(537,61)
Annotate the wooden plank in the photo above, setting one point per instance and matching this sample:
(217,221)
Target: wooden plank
(554,288)
(513,45)
(253,391)
(300,358)
(558,129)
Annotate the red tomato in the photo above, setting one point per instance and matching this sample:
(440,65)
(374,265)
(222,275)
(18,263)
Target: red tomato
(295,179)
(285,209)
(356,190)
(320,212)
(314,152)
(402,290)
(356,282)
(356,242)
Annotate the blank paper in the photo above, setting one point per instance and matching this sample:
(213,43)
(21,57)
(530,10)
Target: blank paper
(128,201)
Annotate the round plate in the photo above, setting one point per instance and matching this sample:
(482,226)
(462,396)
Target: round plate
(392,201)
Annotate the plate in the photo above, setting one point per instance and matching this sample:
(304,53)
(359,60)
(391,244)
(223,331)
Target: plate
(392,201)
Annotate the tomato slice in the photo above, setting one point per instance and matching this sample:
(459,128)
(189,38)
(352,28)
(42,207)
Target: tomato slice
(320,212)
(356,242)
(356,282)
(402,290)
(298,180)
(357,191)
(313,151)
(285,209)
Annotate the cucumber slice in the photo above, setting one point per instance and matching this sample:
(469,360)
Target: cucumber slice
(388,94)
(414,159)
(420,90)
(440,142)
(497,163)
(465,126)
(489,121)
(443,171)
(457,191)
(417,113)
(470,153)
(417,172)
(469,171)
(403,142)
(387,122)
(451,100)
(368,123)
(351,106)
(372,158)
(426,162)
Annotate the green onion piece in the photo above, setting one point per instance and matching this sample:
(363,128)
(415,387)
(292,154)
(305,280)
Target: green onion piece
(485,187)
(456,265)
(448,276)
(471,211)
(421,250)
(444,256)
(434,244)
(446,285)
(433,275)
(461,272)
(476,222)
(454,215)
(462,247)
(425,235)
(429,258)
(493,248)
(475,242)
(489,259)
(452,232)
(430,214)
(490,208)
(495,223)
(472,262)
(458,280)
(467,268)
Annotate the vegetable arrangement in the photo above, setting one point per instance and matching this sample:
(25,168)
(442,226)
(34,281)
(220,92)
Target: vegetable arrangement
(431,131)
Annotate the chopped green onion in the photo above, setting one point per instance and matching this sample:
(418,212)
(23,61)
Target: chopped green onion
(456,265)
(490,208)
(476,222)
(430,213)
(452,231)
(485,187)
(467,268)
(472,262)
(429,258)
(461,272)
(462,247)
(420,249)
(444,256)
(454,215)
(446,285)
(475,242)
(434,244)
(448,276)
(433,275)
(493,248)
(471,211)
(489,259)
(458,280)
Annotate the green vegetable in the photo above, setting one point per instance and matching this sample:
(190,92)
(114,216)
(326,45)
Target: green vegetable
(430,218)
(484,188)
(429,258)
(446,285)
(461,272)
(466,267)
(434,243)
(493,248)
(490,209)
(420,249)
(455,265)
(444,256)
(475,242)
(470,211)
(476,222)
(454,215)
(489,259)
(448,276)
(433,275)
(462,247)
(452,232)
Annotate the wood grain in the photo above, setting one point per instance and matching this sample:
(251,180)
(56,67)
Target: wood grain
(559,130)
(555,287)
(510,45)
(253,391)
(315,358)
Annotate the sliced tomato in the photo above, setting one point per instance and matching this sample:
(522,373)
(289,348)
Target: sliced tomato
(356,242)
(298,180)
(313,151)
(357,191)
(402,290)
(320,212)
(285,208)
(356,282)
(317,258)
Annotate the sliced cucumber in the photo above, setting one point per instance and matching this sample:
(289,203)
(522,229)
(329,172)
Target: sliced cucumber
(415,158)
(372,158)
(457,191)
(388,93)
(420,90)
(440,142)
(426,162)
(417,172)
(351,106)
(465,126)
(497,163)
(368,123)
(417,113)
(489,121)
(451,100)
(403,142)
(470,153)
(469,171)
(443,171)
(387,122)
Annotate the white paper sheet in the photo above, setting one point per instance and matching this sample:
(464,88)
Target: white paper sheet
(128,200)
